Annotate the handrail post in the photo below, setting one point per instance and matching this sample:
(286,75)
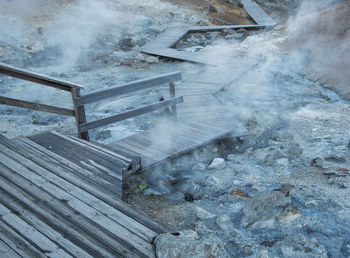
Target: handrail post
(80,116)
(172,95)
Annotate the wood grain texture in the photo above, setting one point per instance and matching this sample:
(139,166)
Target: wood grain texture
(49,206)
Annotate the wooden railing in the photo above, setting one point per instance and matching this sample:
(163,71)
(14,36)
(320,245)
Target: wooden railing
(74,89)
(79,101)
(130,87)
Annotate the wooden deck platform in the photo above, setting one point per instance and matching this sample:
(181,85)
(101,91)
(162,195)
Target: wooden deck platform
(53,207)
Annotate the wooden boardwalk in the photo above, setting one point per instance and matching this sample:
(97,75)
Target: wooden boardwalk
(53,207)
(162,45)
(201,119)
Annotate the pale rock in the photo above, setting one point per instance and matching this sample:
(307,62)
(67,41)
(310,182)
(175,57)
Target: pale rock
(302,247)
(188,244)
(150,191)
(231,157)
(203,214)
(152,60)
(140,57)
(263,207)
(199,167)
(218,163)
(224,222)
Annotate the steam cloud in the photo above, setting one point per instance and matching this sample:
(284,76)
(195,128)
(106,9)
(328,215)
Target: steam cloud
(321,38)
(69,25)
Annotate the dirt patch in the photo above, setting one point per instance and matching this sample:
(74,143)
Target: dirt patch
(217,12)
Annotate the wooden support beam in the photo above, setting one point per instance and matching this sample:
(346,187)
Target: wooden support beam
(128,88)
(172,95)
(80,116)
(129,114)
(36,106)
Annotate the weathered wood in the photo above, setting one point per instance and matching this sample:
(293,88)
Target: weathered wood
(128,88)
(77,153)
(37,78)
(98,147)
(172,95)
(36,106)
(65,168)
(223,27)
(162,45)
(129,114)
(58,216)
(71,189)
(54,235)
(16,241)
(257,13)
(40,241)
(76,175)
(7,252)
(78,209)
(79,112)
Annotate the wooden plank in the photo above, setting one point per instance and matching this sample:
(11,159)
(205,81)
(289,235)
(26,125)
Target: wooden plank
(129,114)
(132,159)
(144,160)
(55,143)
(65,167)
(54,218)
(48,183)
(7,252)
(36,106)
(75,177)
(16,242)
(79,142)
(91,172)
(223,27)
(81,153)
(128,88)
(45,229)
(37,78)
(76,192)
(88,219)
(167,38)
(257,13)
(40,241)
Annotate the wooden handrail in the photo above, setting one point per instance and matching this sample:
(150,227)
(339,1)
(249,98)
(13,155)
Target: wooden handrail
(37,78)
(36,106)
(129,114)
(74,89)
(128,88)
(79,101)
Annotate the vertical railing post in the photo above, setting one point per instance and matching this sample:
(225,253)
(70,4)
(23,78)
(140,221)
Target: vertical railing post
(172,95)
(80,116)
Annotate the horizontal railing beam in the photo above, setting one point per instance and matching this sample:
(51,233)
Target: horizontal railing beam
(36,106)
(128,88)
(129,114)
(37,78)
(222,27)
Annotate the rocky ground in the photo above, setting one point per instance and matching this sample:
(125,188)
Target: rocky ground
(280,192)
